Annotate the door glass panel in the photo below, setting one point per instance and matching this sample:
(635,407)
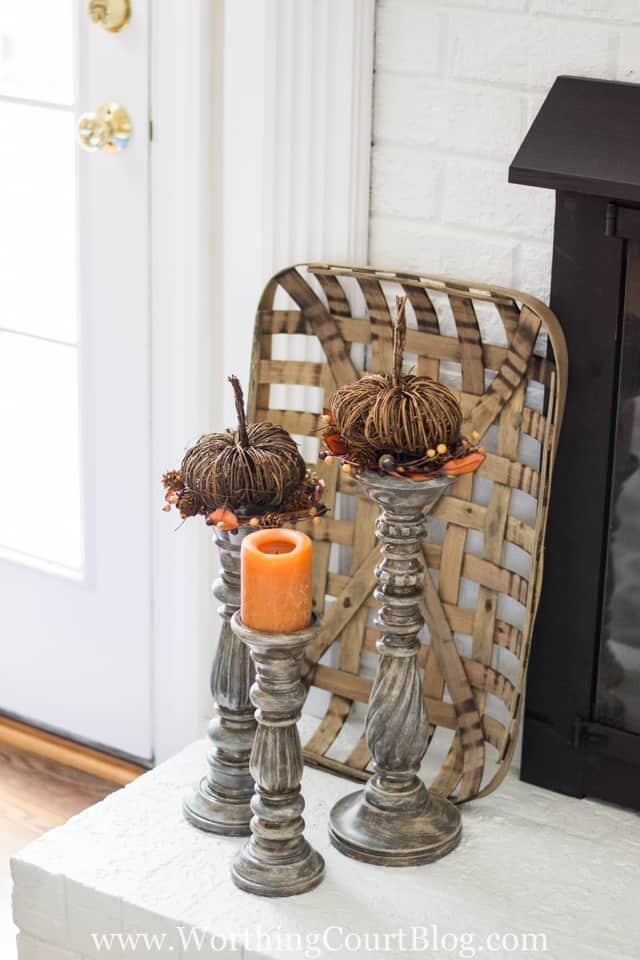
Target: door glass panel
(36,50)
(40,512)
(40,515)
(38,226)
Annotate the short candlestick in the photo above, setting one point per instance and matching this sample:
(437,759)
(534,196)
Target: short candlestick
(277,861)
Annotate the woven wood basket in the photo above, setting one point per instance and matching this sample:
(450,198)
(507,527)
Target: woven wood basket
(505,353)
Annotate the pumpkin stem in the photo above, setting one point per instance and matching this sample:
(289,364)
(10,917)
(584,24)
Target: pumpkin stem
(243,435)
(399,338)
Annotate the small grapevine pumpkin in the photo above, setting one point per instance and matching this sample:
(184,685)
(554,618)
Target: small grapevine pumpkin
(395,413)
(254,466)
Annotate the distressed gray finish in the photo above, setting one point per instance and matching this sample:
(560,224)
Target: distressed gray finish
(220,802)
(395,820)
(277,861)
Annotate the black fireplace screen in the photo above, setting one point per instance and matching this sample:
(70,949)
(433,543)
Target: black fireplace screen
(582,707)
(617,701)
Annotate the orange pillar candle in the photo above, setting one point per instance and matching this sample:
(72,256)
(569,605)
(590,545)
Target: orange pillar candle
(276,581)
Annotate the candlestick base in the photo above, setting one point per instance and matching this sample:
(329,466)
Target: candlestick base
(206,812)
(225,815)
(274,877)
(404,837)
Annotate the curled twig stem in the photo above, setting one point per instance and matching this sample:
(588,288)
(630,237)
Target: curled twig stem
(243,435)
(399,339)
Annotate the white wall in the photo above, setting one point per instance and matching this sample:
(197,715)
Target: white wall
(457,84)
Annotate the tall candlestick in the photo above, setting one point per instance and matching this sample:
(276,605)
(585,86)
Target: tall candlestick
(238,479)
(219,802)
(395,820)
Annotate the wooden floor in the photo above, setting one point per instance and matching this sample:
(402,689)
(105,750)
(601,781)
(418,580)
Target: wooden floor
(36,794)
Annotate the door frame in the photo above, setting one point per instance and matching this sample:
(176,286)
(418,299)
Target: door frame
(252,97)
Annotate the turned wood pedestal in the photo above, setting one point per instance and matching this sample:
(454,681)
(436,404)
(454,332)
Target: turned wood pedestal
(277,861)
(395,820)
(220,801)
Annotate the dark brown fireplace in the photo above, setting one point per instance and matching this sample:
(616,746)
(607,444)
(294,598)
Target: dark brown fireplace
(582,719)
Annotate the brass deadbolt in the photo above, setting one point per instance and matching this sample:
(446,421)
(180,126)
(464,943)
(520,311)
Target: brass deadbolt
(112,15)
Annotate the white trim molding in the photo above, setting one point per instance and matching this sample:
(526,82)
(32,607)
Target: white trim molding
(186,101)
(297,145)
(260,156)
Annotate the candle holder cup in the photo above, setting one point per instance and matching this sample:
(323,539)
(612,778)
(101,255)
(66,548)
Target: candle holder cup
(220,801)
(395,820)
(277,861)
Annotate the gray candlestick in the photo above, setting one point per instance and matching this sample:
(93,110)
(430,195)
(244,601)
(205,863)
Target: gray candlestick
(395,820)
(277,861)
(220,802)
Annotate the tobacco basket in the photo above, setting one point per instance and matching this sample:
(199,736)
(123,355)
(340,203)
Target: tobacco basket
(320,325)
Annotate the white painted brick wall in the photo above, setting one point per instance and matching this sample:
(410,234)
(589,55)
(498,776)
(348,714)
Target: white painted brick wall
(457,85)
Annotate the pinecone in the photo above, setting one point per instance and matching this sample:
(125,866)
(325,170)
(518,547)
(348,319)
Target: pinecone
(172,480)
(189,504)
(300,500)
(270,520)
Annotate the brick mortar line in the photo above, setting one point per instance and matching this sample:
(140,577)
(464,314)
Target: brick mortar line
(452,153)
(465,82)
(440,152)
(450,9)
(536,15)
(461,229)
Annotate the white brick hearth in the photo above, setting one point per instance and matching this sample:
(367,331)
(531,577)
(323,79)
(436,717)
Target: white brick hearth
(530,862)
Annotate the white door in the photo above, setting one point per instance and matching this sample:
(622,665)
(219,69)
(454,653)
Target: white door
(75,556)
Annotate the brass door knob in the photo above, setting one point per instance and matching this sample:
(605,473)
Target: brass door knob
(109,128)
(113,15)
